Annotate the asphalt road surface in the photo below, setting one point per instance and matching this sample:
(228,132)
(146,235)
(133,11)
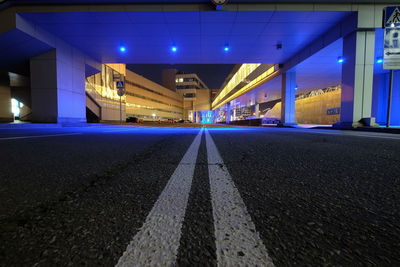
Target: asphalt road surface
(170,196)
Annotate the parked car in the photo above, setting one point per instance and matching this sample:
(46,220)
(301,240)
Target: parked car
(266,120)
(132,119)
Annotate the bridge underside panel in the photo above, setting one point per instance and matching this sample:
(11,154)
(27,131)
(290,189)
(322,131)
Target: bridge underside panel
(17,48)
(199,36)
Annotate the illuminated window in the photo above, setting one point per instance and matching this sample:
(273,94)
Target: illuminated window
(15,107)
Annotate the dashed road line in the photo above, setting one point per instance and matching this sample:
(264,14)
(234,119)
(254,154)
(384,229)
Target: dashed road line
(237,241)
(157,242)
(36,136)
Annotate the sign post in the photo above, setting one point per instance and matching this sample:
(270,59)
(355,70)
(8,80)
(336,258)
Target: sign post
(391,48)
(219,3)
(390,99)
(121,91)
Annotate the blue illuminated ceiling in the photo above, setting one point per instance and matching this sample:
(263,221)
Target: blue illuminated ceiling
(199,36)
(173,1)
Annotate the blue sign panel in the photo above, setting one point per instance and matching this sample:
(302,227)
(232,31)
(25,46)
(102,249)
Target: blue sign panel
(333,111)
(392,16)
(120,85)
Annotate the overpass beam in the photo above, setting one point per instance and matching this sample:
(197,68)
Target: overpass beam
(288,99)
(357,79)
(58,86)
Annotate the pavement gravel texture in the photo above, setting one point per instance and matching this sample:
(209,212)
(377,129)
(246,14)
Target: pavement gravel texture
(316,198)
(319,200)
(90,223)
(197,244)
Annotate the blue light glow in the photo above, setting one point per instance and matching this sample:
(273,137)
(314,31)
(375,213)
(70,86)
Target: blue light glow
(174,48)
(122,48)
(379,60)
(340,60)
(231,129)
(296,87)
(226,48)
(206,116)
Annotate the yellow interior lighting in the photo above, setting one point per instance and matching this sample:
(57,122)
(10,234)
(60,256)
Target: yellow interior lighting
(238,77)
(264,77)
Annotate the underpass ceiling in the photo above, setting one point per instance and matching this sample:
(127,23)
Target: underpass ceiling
(199,35)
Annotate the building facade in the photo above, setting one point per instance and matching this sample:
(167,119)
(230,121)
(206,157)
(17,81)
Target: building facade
(148,100)
(196,95)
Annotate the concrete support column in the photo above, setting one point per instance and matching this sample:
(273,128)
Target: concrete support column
(228,112)
(288,99)
(58,86)
(5,98)
(257,110)
(357,79)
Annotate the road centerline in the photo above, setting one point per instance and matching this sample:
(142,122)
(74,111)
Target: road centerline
(237,241)
(157,242)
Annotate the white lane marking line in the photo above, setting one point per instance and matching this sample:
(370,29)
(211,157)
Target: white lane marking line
(157,242)
(237,241)
(36,136)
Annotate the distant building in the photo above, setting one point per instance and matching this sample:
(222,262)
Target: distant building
(168,78)
(196,95)
(143,99)
(148,100)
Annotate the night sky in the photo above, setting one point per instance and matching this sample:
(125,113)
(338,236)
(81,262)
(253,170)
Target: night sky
(213,75)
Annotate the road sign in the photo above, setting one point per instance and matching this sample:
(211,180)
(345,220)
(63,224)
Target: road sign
(121,92)
(120,84)
(219,2)
(391,45)
(392,16)
(391,48)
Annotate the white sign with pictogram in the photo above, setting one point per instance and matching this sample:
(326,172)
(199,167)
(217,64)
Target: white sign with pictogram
(394,13)
(120,87)
(391,45)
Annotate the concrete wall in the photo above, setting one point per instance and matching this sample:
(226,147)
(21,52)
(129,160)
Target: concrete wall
(5,98)
(168,79)
(203,99)
(58,86)
(312,110)
(57,77)
(381,95)
(5,104)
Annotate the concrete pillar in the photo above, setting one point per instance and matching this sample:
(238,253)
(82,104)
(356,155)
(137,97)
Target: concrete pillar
(228,112)
(5,98)
(58,86)
(288,99)
(257,110)
(357,79)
